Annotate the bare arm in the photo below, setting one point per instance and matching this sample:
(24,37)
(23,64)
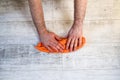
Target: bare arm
(49,39)
(75,33)
(79,10)
(37,15)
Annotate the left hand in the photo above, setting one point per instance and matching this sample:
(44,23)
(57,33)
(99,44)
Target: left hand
(74,36)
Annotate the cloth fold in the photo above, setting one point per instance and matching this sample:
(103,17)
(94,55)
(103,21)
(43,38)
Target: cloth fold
(41,47)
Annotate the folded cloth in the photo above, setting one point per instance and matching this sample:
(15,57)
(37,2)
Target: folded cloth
(41,47)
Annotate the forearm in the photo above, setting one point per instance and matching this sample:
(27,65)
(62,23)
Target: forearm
(37,14)
(79,10)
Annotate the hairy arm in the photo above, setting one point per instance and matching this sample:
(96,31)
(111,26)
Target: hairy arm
(75,33)
(79,10)
(49,39)
(37,15)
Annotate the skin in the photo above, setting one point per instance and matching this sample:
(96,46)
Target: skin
(75,33)
(50,39)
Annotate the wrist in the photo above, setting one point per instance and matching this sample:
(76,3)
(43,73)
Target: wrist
(78,21)
(42,30)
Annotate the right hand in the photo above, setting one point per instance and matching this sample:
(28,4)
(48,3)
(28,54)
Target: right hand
(50,41)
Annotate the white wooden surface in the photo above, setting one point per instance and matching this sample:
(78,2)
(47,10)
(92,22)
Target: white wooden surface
(99,59)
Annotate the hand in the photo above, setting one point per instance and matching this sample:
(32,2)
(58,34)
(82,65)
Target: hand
(50,41)
(74,37)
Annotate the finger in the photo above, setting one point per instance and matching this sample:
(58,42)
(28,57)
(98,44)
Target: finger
(53,46)
(59,46)
(79,41)
(75,43)
(61,50)
(68,43)
(49,48)
(72,44)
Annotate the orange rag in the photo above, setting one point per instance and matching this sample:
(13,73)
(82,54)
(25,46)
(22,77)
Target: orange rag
(41,47)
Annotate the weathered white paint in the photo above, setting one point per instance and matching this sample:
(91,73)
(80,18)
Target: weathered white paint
(99,59)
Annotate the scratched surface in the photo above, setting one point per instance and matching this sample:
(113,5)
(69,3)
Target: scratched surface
(99,59)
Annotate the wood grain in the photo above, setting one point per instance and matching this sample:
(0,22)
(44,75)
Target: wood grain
(99,59)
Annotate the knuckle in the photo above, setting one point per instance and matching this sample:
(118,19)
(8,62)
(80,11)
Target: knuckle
(67,44)
(57,47)
(72,42)
(71,46)
(75,45)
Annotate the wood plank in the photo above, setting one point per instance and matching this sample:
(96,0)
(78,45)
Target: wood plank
(61,75)
(89,57)
(59,10)
(99,59)
(94,31)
